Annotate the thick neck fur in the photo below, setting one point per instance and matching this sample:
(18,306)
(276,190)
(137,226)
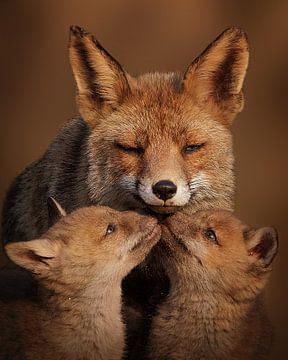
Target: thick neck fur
(86,321)
(217,318)
(195,322)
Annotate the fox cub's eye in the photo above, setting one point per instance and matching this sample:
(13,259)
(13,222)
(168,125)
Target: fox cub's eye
(192,148)
(110,229)
(130,149)
(210,235)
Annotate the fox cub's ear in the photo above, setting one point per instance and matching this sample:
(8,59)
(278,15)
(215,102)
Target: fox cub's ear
(263,245)
(35,255)
(217,75)
(102,83)
(55,211)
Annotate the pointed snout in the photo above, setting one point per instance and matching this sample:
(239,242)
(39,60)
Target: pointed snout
(135,222)
(178,221)
(147,223)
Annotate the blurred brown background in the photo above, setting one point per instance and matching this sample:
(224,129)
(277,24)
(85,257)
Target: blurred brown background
(37,90)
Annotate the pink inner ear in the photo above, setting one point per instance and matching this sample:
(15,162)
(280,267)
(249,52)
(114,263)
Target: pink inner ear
(256,251)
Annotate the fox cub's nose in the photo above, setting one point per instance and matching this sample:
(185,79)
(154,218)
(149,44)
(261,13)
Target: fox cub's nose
(164,189)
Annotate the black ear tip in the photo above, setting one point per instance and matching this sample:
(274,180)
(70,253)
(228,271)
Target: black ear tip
(234,30)
(265,245)
(270,244)
(274,233)
(77,31)
(235,33)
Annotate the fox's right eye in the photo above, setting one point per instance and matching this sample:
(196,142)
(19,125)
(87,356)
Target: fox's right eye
(210,235)
(110,229)
(130,149)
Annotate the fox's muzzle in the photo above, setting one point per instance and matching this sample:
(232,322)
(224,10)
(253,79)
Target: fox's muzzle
(164,189)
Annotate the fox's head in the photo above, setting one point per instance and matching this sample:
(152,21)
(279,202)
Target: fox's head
(161,141)
(214,251)
(90,245)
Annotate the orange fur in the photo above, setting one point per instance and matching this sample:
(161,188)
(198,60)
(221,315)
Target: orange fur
(79,264)
(155,117)
(218,271)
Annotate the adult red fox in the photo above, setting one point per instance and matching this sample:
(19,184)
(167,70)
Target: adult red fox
(158,142)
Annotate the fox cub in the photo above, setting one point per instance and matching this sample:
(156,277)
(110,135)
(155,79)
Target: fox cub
(79,263)
(218,270)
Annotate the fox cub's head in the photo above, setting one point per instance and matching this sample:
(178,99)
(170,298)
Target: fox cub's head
(161,141)
(215,251)
(93,243)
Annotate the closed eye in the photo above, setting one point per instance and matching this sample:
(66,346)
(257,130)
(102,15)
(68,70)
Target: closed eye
(193,148)
(130,149)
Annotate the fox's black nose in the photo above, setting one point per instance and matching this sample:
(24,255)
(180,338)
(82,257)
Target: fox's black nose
(164,189)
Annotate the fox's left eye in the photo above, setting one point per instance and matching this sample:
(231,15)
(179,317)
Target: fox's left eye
(110,229)
(192,148)
(210,235)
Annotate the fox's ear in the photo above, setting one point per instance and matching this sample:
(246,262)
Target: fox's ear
(36,256)
(102,83)
(216,76)
(263,245)
(55,211)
